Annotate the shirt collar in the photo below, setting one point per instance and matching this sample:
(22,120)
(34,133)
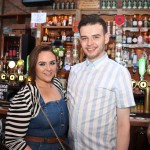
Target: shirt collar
(96,62)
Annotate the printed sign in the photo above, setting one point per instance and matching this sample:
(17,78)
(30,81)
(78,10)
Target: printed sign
(3,91)
(38,17)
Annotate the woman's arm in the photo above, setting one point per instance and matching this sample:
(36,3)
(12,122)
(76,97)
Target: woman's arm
(17,121)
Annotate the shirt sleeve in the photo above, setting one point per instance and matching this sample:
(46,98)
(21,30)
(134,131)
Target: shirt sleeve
(124,91)
(17,121)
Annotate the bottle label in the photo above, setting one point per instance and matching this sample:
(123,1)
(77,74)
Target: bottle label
(134,40)
(140,40)
(129,40)
(134,23)
(44,38)
(140,23)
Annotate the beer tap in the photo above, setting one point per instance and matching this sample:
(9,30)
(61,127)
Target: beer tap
(144,85)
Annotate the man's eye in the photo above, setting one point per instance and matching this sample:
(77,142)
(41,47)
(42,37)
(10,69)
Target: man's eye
(83,39)
(52,62)
(96,37)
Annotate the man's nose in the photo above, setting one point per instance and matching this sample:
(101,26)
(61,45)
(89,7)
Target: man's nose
(90,41)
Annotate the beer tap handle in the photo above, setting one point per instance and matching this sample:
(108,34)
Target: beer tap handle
(142,67)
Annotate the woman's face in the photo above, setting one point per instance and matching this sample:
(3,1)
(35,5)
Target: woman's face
(46,66)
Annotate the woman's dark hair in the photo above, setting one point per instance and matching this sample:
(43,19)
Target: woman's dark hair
(33,57)
(92,19)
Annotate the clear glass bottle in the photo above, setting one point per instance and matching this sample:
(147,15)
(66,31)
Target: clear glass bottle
(124,4)
(140,21)
(72,4)
(139,4)
(134,21)
(145,4)
(134,38)
(134,4)
(140,38)
(145,21)
(124,38)
(129,4)
(103,4)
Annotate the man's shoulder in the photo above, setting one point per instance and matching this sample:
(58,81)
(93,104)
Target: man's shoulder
(78,66)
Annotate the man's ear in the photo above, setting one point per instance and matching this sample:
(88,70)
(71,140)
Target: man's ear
(107,36)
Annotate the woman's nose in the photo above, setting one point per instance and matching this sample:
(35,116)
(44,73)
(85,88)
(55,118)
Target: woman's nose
(48,67)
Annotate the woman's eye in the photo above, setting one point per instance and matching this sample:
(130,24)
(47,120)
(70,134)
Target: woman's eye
(42,64)
(52,62)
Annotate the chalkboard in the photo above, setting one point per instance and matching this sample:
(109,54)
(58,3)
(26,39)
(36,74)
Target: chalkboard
(3,91)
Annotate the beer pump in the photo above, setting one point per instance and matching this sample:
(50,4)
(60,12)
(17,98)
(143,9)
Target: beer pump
(143,84)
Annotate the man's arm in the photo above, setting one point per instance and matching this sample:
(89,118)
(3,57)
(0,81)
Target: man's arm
(148,133)
(123,128)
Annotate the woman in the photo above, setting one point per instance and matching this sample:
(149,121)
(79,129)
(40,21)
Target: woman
(27,127)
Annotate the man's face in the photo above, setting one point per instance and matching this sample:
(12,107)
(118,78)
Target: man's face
(93,40)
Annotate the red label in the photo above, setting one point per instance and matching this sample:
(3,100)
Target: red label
(119,19)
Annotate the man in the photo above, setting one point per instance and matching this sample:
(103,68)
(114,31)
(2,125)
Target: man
(148,133)
(99,94)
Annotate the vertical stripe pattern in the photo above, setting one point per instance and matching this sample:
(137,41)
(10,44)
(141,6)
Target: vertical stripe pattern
(94,92)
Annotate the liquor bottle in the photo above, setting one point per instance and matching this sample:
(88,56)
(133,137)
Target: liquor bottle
(129,4)
(129,38)
(134,38)
(145,21)
(68,60)
(148,36)
(125,22)
(54,5)
(134,4)
(103,4)
(145,5)
(58,4)
(124,4)
(108,4)
(140,21)
(45,37)
(113,54)
(148,22)
(113,4)
(140,39)
(109,52)
(108,27)
(10,50)
(67,4)
(75,57)
(134,21)
(63,35)
(70,20)
(114,29)
(17,49)
(145,38)
(4,68)
(124,38)
(62,4)
(14,52)
(139,4)
(72,4)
